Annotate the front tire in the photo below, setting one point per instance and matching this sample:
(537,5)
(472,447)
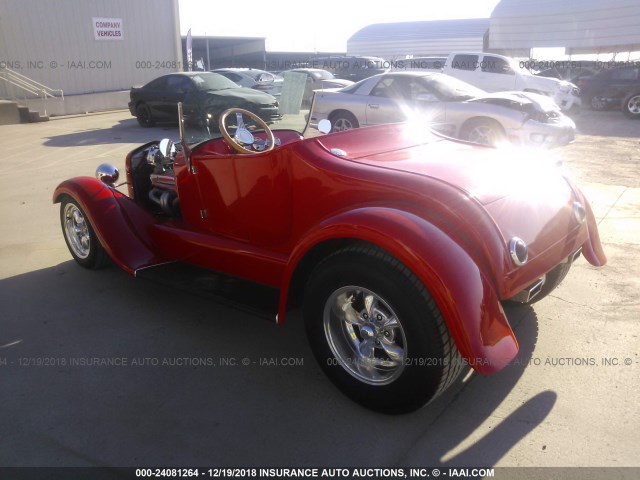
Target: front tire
(376,332)
(80,237)
(631,105)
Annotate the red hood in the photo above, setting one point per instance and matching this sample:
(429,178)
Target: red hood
(486,174)
(527,197)
(524,193)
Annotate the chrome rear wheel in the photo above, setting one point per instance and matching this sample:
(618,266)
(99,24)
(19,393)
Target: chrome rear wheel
(376,332)
(365,335)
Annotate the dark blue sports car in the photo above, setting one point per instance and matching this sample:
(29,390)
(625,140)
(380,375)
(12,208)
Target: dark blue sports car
(204,95)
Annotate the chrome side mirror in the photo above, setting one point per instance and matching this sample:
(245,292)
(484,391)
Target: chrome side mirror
(324,126)
(167,148)
(107,174)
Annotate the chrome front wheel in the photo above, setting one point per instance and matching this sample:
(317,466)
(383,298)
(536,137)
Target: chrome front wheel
(76,231)
(80,236)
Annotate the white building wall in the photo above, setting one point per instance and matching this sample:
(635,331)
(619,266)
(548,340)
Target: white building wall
(580,26)
(421,38)
(53,42)
(399,49)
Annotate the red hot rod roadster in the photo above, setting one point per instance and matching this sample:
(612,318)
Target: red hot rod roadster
(400,245)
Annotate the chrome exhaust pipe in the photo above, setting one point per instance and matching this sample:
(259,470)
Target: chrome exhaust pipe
(531,292)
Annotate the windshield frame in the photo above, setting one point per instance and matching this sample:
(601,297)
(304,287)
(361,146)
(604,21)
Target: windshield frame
(198,130)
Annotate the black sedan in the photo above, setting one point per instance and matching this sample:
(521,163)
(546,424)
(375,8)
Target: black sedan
(204,94)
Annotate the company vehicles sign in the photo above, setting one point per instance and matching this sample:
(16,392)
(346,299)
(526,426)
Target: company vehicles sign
(107,28)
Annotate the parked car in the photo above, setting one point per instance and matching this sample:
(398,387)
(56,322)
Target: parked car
(204,94)
(611,86)
(450,106)
(399,244)
(318,79)
(576,74)
(351,67)
(254,78)
(497,73)
(631,104)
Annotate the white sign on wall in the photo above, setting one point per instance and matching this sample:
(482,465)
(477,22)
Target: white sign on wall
(107,28)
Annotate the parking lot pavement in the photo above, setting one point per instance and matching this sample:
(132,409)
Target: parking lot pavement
(194,383)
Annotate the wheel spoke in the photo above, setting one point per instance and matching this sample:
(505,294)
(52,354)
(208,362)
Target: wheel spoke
(391,322)
(345,306)
(370,303)
(394,351)
(366,348)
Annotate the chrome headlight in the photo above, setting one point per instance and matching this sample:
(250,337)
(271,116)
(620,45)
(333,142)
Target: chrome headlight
(579,212)
(107,174)
(564,87)
(519,251)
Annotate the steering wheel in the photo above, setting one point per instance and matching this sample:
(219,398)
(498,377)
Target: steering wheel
(243,136)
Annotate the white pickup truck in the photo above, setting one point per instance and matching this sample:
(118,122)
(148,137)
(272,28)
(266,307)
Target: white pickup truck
(497,73)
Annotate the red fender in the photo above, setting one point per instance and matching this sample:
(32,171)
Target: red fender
(592,248)
(464,293)
(121,226)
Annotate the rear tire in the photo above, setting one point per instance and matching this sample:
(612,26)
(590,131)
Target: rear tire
(342,121)
(376,331)
(597,103)
(631,105)
(80,237)
(483,131)
(144,116)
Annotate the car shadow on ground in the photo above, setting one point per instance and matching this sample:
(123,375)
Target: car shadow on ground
(101,369)
(123,131)
(606,123)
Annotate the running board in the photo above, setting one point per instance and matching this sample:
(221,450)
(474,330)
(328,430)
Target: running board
(254,298)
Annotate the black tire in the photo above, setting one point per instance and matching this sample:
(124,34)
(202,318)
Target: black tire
(144,115)
(343,120)
(597,103)
(483,131)
(430,361)
(80,237)
(631,105)
(553,280)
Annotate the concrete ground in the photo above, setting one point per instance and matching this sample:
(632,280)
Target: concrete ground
(571,399)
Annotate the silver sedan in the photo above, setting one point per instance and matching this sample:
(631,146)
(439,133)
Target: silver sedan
(451,107)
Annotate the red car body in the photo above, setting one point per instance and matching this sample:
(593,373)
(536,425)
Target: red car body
(447,210)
